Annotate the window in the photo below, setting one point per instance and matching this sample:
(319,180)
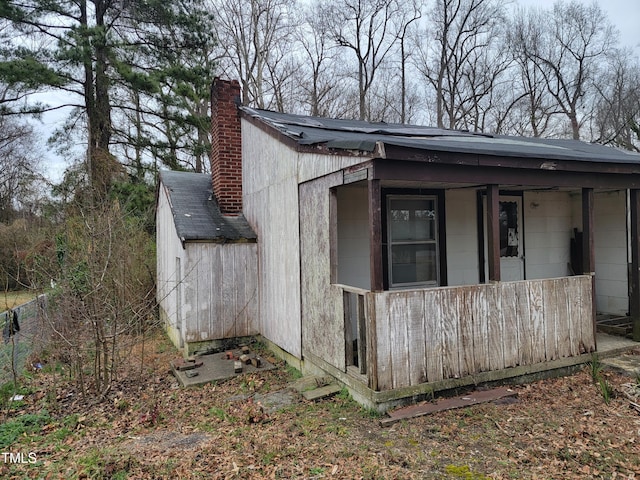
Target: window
(508,229)
(413,240)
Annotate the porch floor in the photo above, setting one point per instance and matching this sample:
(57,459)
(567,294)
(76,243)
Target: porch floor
(612,345)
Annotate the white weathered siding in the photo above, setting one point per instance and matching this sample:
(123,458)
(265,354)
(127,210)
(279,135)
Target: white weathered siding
(271,173)
(270,204)
(323,332)
(219,291)
(547,230)
(462,237)
(450,332)
(353,237)
(168,249)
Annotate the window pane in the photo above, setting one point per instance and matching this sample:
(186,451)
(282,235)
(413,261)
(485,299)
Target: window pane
(412,219)
(508,229)
(413,263)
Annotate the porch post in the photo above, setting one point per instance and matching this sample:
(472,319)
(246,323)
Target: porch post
(634,297)
(493,232)
(588,251)
(375,235)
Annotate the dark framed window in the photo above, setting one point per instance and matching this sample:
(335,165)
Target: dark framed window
(413,253)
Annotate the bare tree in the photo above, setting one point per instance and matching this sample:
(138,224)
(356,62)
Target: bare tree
(617,115)
(465,32)
(367,29)
(18,166)
(566,49)
(252,34)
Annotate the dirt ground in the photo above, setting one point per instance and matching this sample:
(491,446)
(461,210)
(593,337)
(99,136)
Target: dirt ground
(149,428)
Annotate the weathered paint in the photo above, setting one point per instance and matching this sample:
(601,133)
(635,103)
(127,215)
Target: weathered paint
(213,293)
(169,248)
(323,331)
(430,335)
(271,174)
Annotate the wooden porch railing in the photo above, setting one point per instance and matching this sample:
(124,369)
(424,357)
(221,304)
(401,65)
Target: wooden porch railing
(426,335)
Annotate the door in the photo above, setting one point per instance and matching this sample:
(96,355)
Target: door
(511,238)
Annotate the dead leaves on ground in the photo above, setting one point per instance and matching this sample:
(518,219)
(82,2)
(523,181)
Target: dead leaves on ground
(149,427)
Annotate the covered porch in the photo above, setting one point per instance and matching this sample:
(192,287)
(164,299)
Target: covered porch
(442,276)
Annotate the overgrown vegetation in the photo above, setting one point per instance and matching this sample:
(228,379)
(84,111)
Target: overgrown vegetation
(599,380)
(558,429)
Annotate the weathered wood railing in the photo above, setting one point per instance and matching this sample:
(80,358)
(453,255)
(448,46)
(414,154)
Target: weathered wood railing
(426,335)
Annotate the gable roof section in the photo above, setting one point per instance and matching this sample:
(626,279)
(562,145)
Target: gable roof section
(363,136)
(196,214)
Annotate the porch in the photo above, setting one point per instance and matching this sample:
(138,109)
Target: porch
(410,337)
(453,338)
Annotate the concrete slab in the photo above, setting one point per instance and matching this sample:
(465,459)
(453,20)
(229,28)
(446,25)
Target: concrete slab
(627,363)
(215,367)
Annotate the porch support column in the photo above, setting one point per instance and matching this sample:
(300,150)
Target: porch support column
(634,297)
(493,232)
(375,235)
(588,251)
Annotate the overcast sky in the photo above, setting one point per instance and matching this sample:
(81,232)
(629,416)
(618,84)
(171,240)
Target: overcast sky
(624,14)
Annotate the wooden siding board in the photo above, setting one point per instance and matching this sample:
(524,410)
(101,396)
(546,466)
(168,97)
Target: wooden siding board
(574,327)
(481,355)
(509,312)
(523,314)
(433,333)
(551,307)
(495,329)
(466,299)
(451,339)
(383,334)
(416,338)
(563,327)
(536,309)
(588,341)
(398,320)
(323,326)
(372,341)
(271,206)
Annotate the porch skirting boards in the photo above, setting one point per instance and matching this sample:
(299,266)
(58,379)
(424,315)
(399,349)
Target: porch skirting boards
(389,399)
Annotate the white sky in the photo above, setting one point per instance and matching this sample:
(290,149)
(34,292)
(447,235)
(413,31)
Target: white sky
(624,14)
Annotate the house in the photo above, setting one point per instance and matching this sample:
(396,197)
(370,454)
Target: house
(399,259)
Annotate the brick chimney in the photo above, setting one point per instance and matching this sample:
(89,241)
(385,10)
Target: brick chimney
(226,146)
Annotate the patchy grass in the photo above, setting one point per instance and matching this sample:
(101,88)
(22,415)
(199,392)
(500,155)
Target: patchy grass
(149,428)
(13,299)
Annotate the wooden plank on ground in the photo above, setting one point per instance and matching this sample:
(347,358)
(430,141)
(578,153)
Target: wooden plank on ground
(473,398)
(321,392)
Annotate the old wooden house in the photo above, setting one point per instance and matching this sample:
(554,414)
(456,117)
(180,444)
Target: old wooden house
(399,259)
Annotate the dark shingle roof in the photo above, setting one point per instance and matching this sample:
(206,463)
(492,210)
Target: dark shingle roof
(363,136)
(196,213)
